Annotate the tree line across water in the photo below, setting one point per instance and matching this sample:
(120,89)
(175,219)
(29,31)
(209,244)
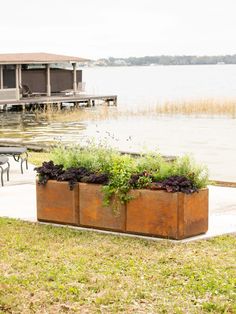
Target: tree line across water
(167,60)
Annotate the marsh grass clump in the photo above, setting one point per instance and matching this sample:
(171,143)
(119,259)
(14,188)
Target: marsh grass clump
(119,173)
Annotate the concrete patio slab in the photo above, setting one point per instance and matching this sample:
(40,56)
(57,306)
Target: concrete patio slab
(18,200)
(17,197)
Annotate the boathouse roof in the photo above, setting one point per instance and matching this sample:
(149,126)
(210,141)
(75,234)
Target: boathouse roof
(37,57)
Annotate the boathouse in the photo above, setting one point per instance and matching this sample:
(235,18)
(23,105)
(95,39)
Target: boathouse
(28,79)
(23,75)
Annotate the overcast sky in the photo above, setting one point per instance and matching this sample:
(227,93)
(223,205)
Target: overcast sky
(119,28)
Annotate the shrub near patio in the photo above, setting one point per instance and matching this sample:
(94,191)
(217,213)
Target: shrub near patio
(119,192)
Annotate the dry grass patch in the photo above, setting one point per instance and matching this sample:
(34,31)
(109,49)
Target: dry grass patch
(45,269)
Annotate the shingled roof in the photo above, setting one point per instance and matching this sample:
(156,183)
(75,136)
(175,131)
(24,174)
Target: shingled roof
(37,57)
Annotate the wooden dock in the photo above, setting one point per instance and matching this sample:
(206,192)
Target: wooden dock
(38,101)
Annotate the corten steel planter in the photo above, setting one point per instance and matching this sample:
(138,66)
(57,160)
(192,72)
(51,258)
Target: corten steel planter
(57,203)
(94,214)
(168,215)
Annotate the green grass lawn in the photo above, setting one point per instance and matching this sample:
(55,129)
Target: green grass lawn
(45,269)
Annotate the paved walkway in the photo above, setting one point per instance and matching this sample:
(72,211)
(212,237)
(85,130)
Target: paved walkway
(18,200)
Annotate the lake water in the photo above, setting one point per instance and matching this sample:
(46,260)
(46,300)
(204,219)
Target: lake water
(210,140)
(148,86)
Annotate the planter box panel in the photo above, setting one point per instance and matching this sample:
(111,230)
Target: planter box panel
(57,203)
(169,215)
(193,213)
(94,214)
(153,213)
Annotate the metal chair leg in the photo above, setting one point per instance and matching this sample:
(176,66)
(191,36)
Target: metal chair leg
(21,159)
(26,160)
(21,165)
(1,168)
(8,171)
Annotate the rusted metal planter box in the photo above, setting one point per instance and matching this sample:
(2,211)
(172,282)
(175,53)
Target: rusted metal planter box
(168,215)
(94,214)
(57,203)
(152,213)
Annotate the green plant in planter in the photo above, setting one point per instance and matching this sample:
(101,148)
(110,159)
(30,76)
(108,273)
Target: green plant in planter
(125,172)
(155,165)
(74,156)
(95,158)
(186,166)
(101,159)
(144,182)
(120,171)
(160,169)
(149,162)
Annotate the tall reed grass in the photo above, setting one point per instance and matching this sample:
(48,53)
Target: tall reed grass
(196,108)
(208,107)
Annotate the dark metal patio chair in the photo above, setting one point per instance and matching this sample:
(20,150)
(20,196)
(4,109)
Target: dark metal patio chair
(4,167)
(25,91)
(18,153)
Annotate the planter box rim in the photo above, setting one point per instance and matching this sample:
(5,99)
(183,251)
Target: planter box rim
(203,189)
